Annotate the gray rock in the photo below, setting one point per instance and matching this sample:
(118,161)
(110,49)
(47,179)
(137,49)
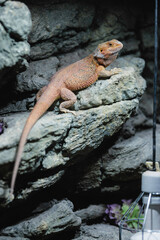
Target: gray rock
(13,238)
(16,18)
(2,1)
(131,45)
(11,52)
(129,61)
(43,50)
(15,25)
(147,35)
(18,106)
(57,219)
(92,213)
(37,75)
(128,81)
(91,127)
(111,27)
(139,121)
(55,130)
(101,232)
(89,176)
(38,185)
(65,45)
(146,105)
(59,20)
(69,58)
(62,27)
(126,159)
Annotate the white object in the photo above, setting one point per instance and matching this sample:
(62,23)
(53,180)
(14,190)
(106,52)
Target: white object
(153,215)
(150,185)
(151,182)
(146,236)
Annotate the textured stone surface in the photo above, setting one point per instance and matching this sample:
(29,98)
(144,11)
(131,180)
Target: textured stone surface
(15,25)
(18,106)
(139,121)
(92,213)
(58,218)
(69,58)
(129,88)
(101,232)
(125,160)
(63,27)
(54,131)
(15,17)
(96,126)
(79,135)
(13,238)
(10,51)
(53,18)
(37,75)
(89,177)
(40,184)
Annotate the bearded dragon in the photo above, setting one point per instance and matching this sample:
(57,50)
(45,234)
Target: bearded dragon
(76,76)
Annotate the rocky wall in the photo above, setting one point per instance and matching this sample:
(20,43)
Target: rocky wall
(95,157)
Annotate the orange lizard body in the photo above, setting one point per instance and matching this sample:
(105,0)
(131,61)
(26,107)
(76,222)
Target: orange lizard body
(76,76)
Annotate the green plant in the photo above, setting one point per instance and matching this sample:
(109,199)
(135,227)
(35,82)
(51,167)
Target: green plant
(114,213)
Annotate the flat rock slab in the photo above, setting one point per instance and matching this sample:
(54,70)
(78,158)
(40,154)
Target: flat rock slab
(91,213)
(101,232)
(58,218)
(125,160)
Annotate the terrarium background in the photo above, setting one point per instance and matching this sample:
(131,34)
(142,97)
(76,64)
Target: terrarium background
(62,33)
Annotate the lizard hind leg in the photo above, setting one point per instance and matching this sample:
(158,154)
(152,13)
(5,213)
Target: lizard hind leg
(69,99)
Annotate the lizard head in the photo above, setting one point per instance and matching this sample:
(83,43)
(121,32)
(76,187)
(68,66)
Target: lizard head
(107,52)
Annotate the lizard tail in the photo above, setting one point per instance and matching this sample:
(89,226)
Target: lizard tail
(22,142)
(39,109)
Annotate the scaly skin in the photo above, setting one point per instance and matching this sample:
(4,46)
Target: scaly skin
(76,76)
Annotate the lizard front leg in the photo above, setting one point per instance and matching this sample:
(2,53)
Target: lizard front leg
(70,98)
(102,72)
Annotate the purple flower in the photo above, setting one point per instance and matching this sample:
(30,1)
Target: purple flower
(114,212)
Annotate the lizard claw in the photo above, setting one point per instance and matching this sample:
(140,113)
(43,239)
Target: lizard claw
(69,111)
(116,71)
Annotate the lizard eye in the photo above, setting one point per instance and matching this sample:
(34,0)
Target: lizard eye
(110,44)
(101,50)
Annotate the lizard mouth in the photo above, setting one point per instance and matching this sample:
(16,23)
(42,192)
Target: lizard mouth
(100,55)
(115,53)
